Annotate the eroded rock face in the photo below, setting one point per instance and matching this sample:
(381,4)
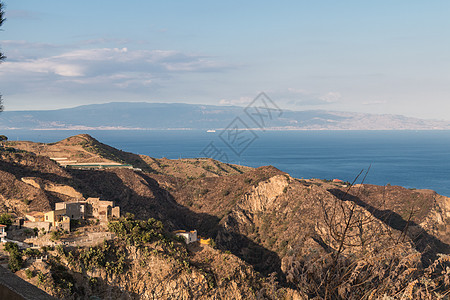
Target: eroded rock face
(36,182)
(264,195)
(52,187)
(437,221)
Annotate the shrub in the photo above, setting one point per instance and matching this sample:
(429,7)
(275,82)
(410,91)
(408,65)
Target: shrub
(137,232)
(55,235)
(10,246)
(5,219)
(15,257)
(29,273)
(40,277)
(32,252)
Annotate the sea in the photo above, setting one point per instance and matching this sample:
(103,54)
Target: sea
(412,159)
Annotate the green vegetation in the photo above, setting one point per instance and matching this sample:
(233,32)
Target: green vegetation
(56,235)
(106,255)
(63,281)
(5,219)
(41,277)
(113,256)
(135,232)
(29,273)
(15,256)
(32,252)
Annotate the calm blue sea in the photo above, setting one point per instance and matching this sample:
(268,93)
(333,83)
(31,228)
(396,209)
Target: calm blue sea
(413,159)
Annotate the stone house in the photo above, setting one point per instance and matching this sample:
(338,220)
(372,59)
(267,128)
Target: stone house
(101,209)
(189,236)
(35,219)
(66,211)
(58,219)
(74,210)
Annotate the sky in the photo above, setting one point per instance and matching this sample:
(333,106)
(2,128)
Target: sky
(388,57)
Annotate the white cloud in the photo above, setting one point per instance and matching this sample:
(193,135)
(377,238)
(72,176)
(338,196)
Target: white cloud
(331,97)
(242,101)
(303,97)
(375,102)
(100,68)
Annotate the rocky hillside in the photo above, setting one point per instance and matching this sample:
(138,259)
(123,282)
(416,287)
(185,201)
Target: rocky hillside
(319,238)
(147,262)
(85,149)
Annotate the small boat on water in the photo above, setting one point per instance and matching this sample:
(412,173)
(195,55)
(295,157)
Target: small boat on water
(210,130)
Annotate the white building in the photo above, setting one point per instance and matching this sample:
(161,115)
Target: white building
(189,236)
(2,233)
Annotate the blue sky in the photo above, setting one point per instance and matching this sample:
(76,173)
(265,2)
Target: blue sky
(364,56)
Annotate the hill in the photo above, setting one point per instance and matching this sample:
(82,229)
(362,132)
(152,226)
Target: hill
(314,237)
(141,115)
(85,149)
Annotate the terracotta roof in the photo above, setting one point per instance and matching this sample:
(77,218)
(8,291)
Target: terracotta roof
(1,225)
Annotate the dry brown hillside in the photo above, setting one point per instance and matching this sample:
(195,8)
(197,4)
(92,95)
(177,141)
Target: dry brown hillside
(85,149)
(325,239)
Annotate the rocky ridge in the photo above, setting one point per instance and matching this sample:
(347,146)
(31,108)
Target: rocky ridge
(320,238)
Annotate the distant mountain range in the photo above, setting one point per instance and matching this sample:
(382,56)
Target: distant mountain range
(142,115)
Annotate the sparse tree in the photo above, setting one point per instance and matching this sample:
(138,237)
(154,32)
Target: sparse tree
(5,219)
(15,256)
(3,138)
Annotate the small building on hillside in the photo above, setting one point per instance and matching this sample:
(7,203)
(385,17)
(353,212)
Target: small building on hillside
(35,216)
(101,209)
(66,211)
(58,219)
(338,180)
(39,225)
(74,210)
(189,236)
(35,219)
(2,233)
